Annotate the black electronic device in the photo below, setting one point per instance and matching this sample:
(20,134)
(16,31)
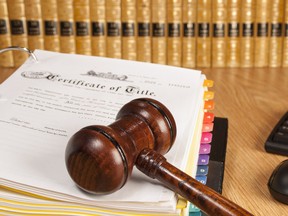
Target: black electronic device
(277,141)
(278,182)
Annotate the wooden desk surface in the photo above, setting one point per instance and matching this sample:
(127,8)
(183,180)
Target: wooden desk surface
(253,100)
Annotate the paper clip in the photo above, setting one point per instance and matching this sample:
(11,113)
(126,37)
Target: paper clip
(17,48)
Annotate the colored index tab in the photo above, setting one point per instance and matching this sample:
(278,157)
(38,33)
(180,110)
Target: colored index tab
(202,179)
(202,170)
(208,117)
(203,159)
(207,127)
(208,83)
(208,95)
(209,105)
(193,208)
(206,137)
(205,149)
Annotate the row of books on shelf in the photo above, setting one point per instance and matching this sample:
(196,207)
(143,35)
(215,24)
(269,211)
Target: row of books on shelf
(185,33)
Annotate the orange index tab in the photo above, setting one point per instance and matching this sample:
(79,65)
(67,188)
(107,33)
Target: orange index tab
(208,95)
(208,83)
(209,105)
(208,117)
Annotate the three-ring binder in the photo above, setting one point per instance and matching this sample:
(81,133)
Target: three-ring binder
(18,48)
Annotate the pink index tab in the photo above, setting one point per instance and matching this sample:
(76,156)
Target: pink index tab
(205,149)
(207,127)
(206,137)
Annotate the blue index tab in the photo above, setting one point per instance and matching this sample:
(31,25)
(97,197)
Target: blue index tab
(195,213)
(202,179)
(193,208)
(202,170)
(203,159)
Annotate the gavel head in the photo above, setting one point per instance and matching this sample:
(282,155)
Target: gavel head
(100,158)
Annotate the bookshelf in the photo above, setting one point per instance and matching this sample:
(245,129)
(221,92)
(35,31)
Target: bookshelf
(241,32)
(247,167)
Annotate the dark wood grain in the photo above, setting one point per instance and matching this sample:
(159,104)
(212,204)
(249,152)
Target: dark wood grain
(155,166)
(100,158)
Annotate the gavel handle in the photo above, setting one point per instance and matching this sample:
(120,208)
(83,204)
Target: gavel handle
(155,166)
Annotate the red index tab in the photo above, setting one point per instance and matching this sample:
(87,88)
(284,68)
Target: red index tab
(206,137)
(207,127)
(208,117)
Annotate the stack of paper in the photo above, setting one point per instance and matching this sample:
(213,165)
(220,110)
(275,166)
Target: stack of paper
(44,103)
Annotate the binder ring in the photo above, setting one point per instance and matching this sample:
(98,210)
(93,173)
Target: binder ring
(18,48)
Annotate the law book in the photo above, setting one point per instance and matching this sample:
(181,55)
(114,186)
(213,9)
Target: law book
(50,25)
(285,37)
(159,32)
(62,93)
(34,24)
(174,32)
(189,33)
(204,40)
(276,33)
(262,20)
(16,10)
(219,29)
(82,26)
(129,29)
(144,42)
(113,35)
(247,29)
(233,42)
(67,30)
(98,27)
(6,59)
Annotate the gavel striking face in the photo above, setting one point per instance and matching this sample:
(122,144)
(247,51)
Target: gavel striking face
(100,158)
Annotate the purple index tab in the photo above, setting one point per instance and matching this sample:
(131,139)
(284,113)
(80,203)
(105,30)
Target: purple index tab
(203,159)
(205,149)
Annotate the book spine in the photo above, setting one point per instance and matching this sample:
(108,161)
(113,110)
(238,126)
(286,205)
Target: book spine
(174,34)
(113,38)
(50,24)
(203,41)
(285,38)
(144,51)
(98,23)
(233,36)
(66,22)
(219,20)
(189,33)
(6,59)
(34,24)
(129,41)
(247,33)
(16,10)
(276,33)
(159,32)
(262,33)
(82,27)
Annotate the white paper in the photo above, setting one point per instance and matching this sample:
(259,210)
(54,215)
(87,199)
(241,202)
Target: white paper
(48,101)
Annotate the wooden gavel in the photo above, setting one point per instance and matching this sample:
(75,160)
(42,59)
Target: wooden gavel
(100,158)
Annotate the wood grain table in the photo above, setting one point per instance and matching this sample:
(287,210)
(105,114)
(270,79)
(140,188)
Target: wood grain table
(253,100)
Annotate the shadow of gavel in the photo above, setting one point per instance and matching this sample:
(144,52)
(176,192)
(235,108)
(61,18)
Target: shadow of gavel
(100,159)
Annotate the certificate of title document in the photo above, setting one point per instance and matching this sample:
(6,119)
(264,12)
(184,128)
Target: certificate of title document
(44,103)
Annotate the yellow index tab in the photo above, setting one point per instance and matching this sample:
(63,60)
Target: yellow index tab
(208,83)
(208,95)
